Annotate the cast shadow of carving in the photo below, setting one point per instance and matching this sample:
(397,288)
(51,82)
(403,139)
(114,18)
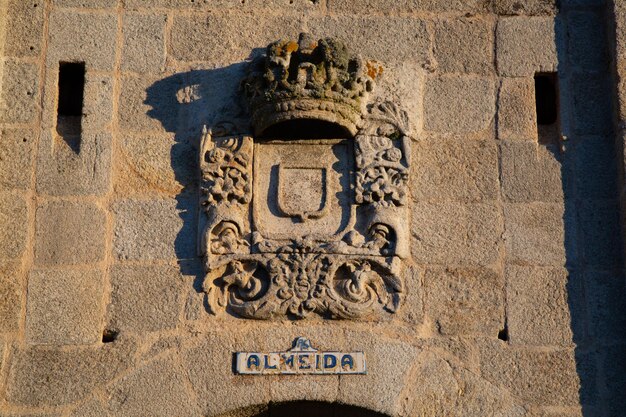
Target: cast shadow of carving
(595,287)
(184,103)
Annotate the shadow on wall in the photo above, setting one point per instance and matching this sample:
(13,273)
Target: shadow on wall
(593,244)
(184,103)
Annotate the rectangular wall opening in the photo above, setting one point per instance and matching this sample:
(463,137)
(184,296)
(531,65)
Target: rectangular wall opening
(547,107)
(70,102)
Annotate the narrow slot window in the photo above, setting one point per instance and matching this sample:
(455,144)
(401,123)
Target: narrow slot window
(547,107)
(70,102)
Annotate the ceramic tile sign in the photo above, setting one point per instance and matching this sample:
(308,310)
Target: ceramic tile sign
(301,360)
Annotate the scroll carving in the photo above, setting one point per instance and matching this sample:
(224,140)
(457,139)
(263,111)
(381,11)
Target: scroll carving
(382,157)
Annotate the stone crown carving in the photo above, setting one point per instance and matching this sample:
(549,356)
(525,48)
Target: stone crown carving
(309,79)
(300,227)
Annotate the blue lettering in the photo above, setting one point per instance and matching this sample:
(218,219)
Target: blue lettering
(253,360)
(347,361)
(330,361)
(267,363)
(304,362)
(288,360)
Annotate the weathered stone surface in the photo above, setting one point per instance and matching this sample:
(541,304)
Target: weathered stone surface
(97,103)
(206,43)
(69,232)
(517,117)
(33,414)
(448,387)
(534,376)
(90,408)
(596,168)
(11,288)
(456,234)
(621,87)
(155,229)
(458,104)
(573,411)
(208,374)
(389,363)
(19,96)
(588,366)
(403,84)
(24,29)
(465,300)
(614,365)
(164,344)
(86,3)
(534,234)
(97,111)
(317,387)
(539,306)
(591,95)
(95,45)
(619,10)
(200,38)
(455,170)
(14,221)
(157,389)
(183,102)
(601,246)
(412,310)
(454,348)
(606,305)
(135,112)
(527,7)
(407,6)
(16,158)
(144,43)
(154,164)
(50,376)
(587,40)
(63,172)
(531,172)
(257,5)
(194,305)
(408,34)
(536,53)
(145,299)
(464,46)
(64,307)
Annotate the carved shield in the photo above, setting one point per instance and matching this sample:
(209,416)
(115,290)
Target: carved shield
(302,189)
(302,193)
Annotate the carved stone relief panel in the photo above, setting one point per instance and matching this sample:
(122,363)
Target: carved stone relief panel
(307,218)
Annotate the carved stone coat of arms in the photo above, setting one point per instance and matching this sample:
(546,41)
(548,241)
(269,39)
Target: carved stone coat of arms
(308,214)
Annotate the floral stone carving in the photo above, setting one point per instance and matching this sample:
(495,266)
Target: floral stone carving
(299,227)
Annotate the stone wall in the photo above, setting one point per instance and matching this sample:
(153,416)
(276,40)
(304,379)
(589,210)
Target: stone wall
(515,291)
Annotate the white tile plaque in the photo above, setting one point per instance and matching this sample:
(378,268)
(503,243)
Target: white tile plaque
(302,359)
